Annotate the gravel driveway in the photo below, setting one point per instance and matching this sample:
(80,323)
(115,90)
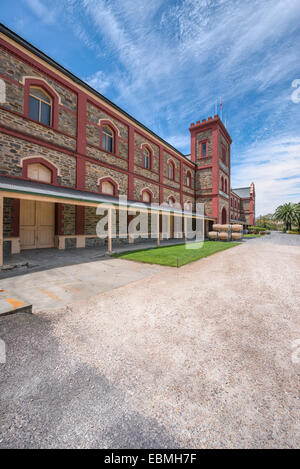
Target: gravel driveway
(201,356)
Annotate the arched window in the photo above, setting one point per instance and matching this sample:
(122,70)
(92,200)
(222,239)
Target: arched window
(146,196)
(171,170)
(146,158)
(188,179)
(108,186)
(107,139)
(224,216)
(39,172)
(40,105)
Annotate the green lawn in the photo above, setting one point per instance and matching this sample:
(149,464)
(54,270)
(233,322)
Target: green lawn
(253,235)
(176,256)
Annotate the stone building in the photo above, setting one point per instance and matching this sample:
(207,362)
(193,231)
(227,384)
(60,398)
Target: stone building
(65,148)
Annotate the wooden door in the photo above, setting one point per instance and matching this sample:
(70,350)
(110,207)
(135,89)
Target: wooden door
(36,224)
(45,224)
(171,225)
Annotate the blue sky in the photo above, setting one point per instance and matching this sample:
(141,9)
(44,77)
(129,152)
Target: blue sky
(168,62)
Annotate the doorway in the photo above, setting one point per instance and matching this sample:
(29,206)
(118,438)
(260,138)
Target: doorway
(37,224)
(224,216)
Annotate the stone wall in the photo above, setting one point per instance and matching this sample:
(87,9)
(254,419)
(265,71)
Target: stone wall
(16,70)
(68,219)
(139,185)
(95,172)
(7,217)
(13,149)
(35,129)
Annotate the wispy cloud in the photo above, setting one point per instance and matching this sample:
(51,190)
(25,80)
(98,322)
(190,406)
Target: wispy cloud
(167,62)
(274,165)
(99,81)
(46,14)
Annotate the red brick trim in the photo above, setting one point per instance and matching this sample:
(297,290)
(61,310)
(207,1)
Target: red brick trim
(80,219)
(15,217)
(58,219)
(35,160)
(42,84)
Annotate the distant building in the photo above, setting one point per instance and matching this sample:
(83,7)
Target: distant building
(64,148)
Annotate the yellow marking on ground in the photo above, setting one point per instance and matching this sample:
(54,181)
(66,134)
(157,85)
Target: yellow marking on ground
(70,287)
(51,295)
(15,303)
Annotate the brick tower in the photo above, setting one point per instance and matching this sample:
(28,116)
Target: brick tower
(210,150)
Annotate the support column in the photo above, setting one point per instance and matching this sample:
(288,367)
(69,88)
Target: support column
(131,163)
(158,230)
(1,230)
(109,240)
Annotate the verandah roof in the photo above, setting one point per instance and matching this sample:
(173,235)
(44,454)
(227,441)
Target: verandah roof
(18,188)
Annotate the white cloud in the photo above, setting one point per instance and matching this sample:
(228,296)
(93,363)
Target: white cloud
(99,81)
(274,165)
(47,15)
(170,61)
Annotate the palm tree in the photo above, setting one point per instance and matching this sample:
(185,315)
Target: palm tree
(285,213)
(297,215)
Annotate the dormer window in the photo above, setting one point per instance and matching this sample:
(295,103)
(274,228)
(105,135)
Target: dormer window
(40,106)
(107,139)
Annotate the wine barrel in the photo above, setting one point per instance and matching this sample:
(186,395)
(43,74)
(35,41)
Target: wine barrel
(237,228)
(217,227)
(237,236)
(213,235)
(224,236)
(226,227)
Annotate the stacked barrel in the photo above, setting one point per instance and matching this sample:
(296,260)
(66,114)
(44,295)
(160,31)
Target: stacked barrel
(226,233)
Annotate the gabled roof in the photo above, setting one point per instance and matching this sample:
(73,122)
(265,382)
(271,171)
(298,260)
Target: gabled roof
(242,192)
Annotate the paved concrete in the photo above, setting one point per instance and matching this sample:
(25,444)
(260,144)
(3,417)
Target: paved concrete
(201,356)
(57,287)
(11,302)
(38,260)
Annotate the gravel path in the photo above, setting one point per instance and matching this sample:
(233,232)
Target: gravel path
(201,356)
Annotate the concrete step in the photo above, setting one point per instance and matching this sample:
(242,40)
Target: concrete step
(11,302)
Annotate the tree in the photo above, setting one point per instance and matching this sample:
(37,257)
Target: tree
(297,215)
(285,213)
